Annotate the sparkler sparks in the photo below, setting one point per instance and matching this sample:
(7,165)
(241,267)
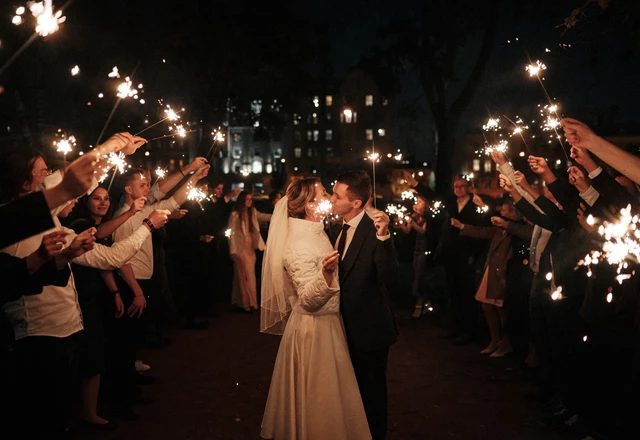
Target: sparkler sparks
(227,233)
(492,124)
(535,69)
(160,173)
(65,145)
(75,70)
(436,207)
(324,208)
(502,146)
(196,194)
(622,243)
(482,209)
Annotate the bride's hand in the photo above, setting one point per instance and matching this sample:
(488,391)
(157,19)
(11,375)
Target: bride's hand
(330,262)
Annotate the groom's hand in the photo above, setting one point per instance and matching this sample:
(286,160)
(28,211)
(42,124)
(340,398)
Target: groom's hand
(381,222)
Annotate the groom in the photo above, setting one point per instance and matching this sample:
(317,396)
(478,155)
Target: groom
(368,263)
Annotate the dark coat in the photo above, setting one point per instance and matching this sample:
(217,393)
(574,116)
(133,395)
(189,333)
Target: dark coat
(367,270)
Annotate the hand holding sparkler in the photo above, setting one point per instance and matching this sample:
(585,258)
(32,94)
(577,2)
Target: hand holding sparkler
(178,214)
(477,200)
(578,179)
(457,223)
(381,222)
(540,167)
(194,165)
(201,172)
(587,223)
(137,205)
(159,218)
(410,179)
(498,157)
(579,134)
(330,264)
(583,158)
(499,222)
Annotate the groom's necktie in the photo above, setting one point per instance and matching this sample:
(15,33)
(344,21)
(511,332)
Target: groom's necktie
(343,240)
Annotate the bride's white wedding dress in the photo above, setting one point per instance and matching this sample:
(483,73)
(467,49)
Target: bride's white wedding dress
(314,394)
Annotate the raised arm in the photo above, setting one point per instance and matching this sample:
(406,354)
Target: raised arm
(107,228)
(168,183)
(182,193)
(580,135)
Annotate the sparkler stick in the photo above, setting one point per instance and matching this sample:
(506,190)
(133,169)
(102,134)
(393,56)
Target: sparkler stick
(172,115)
(218,136)
(373,157)
(534,70)
(171,135)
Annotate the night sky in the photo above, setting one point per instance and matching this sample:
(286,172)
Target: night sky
(593,80)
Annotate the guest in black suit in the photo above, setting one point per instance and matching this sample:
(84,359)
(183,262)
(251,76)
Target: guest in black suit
(459,255)
(368,265)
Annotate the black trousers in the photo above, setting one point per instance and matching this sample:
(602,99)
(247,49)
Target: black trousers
(44,367)
(371,372)
(461,285)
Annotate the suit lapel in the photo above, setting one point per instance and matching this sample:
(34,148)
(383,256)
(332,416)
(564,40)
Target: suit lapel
(354,247)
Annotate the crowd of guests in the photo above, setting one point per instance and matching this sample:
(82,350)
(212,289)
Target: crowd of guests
(522,261)
(92,275)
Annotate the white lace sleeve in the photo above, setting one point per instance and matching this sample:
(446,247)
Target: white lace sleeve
(306,272)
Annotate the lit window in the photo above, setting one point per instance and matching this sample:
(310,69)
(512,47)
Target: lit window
(316,101)
(297,152)
(257,166)
(328,135)
(277,153)
(348,116)
(237,138)
(369,134)
(385,102)
(381,132)
(237,153)
(487,165)
(315,118)
(309,135)
(476,165)
(328,100)
(316,135)
(368,100)
(295,119)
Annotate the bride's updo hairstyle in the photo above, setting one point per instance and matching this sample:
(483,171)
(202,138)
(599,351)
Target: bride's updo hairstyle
(300,193)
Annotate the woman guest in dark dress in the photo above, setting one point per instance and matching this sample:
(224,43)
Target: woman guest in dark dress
(423,253)
(100,303)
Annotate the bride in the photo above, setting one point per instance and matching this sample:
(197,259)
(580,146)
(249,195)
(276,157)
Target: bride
(313,392)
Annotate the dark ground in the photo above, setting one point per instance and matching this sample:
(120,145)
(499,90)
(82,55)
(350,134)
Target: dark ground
(213,384)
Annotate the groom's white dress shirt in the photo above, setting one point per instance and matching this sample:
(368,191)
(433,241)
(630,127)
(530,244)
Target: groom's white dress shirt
(353,224)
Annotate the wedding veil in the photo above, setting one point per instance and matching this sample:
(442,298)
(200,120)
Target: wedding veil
(277,286)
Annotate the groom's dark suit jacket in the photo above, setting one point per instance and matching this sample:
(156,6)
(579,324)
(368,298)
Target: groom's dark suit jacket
(368,267)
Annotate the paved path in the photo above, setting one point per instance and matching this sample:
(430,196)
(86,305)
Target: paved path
(212,384)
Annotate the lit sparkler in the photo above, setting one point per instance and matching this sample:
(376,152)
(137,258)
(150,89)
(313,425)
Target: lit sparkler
(218,136)
(482,209)
(170,113)
(373,157)
(436,208)
(534,70)
(621,245)
(227,233)
(398,210)
(502,146)
(65,146)
(75,70)
(408,195)
(519,128)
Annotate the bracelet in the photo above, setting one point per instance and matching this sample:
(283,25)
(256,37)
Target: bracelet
(181,172)
(115,292)
(148,223)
